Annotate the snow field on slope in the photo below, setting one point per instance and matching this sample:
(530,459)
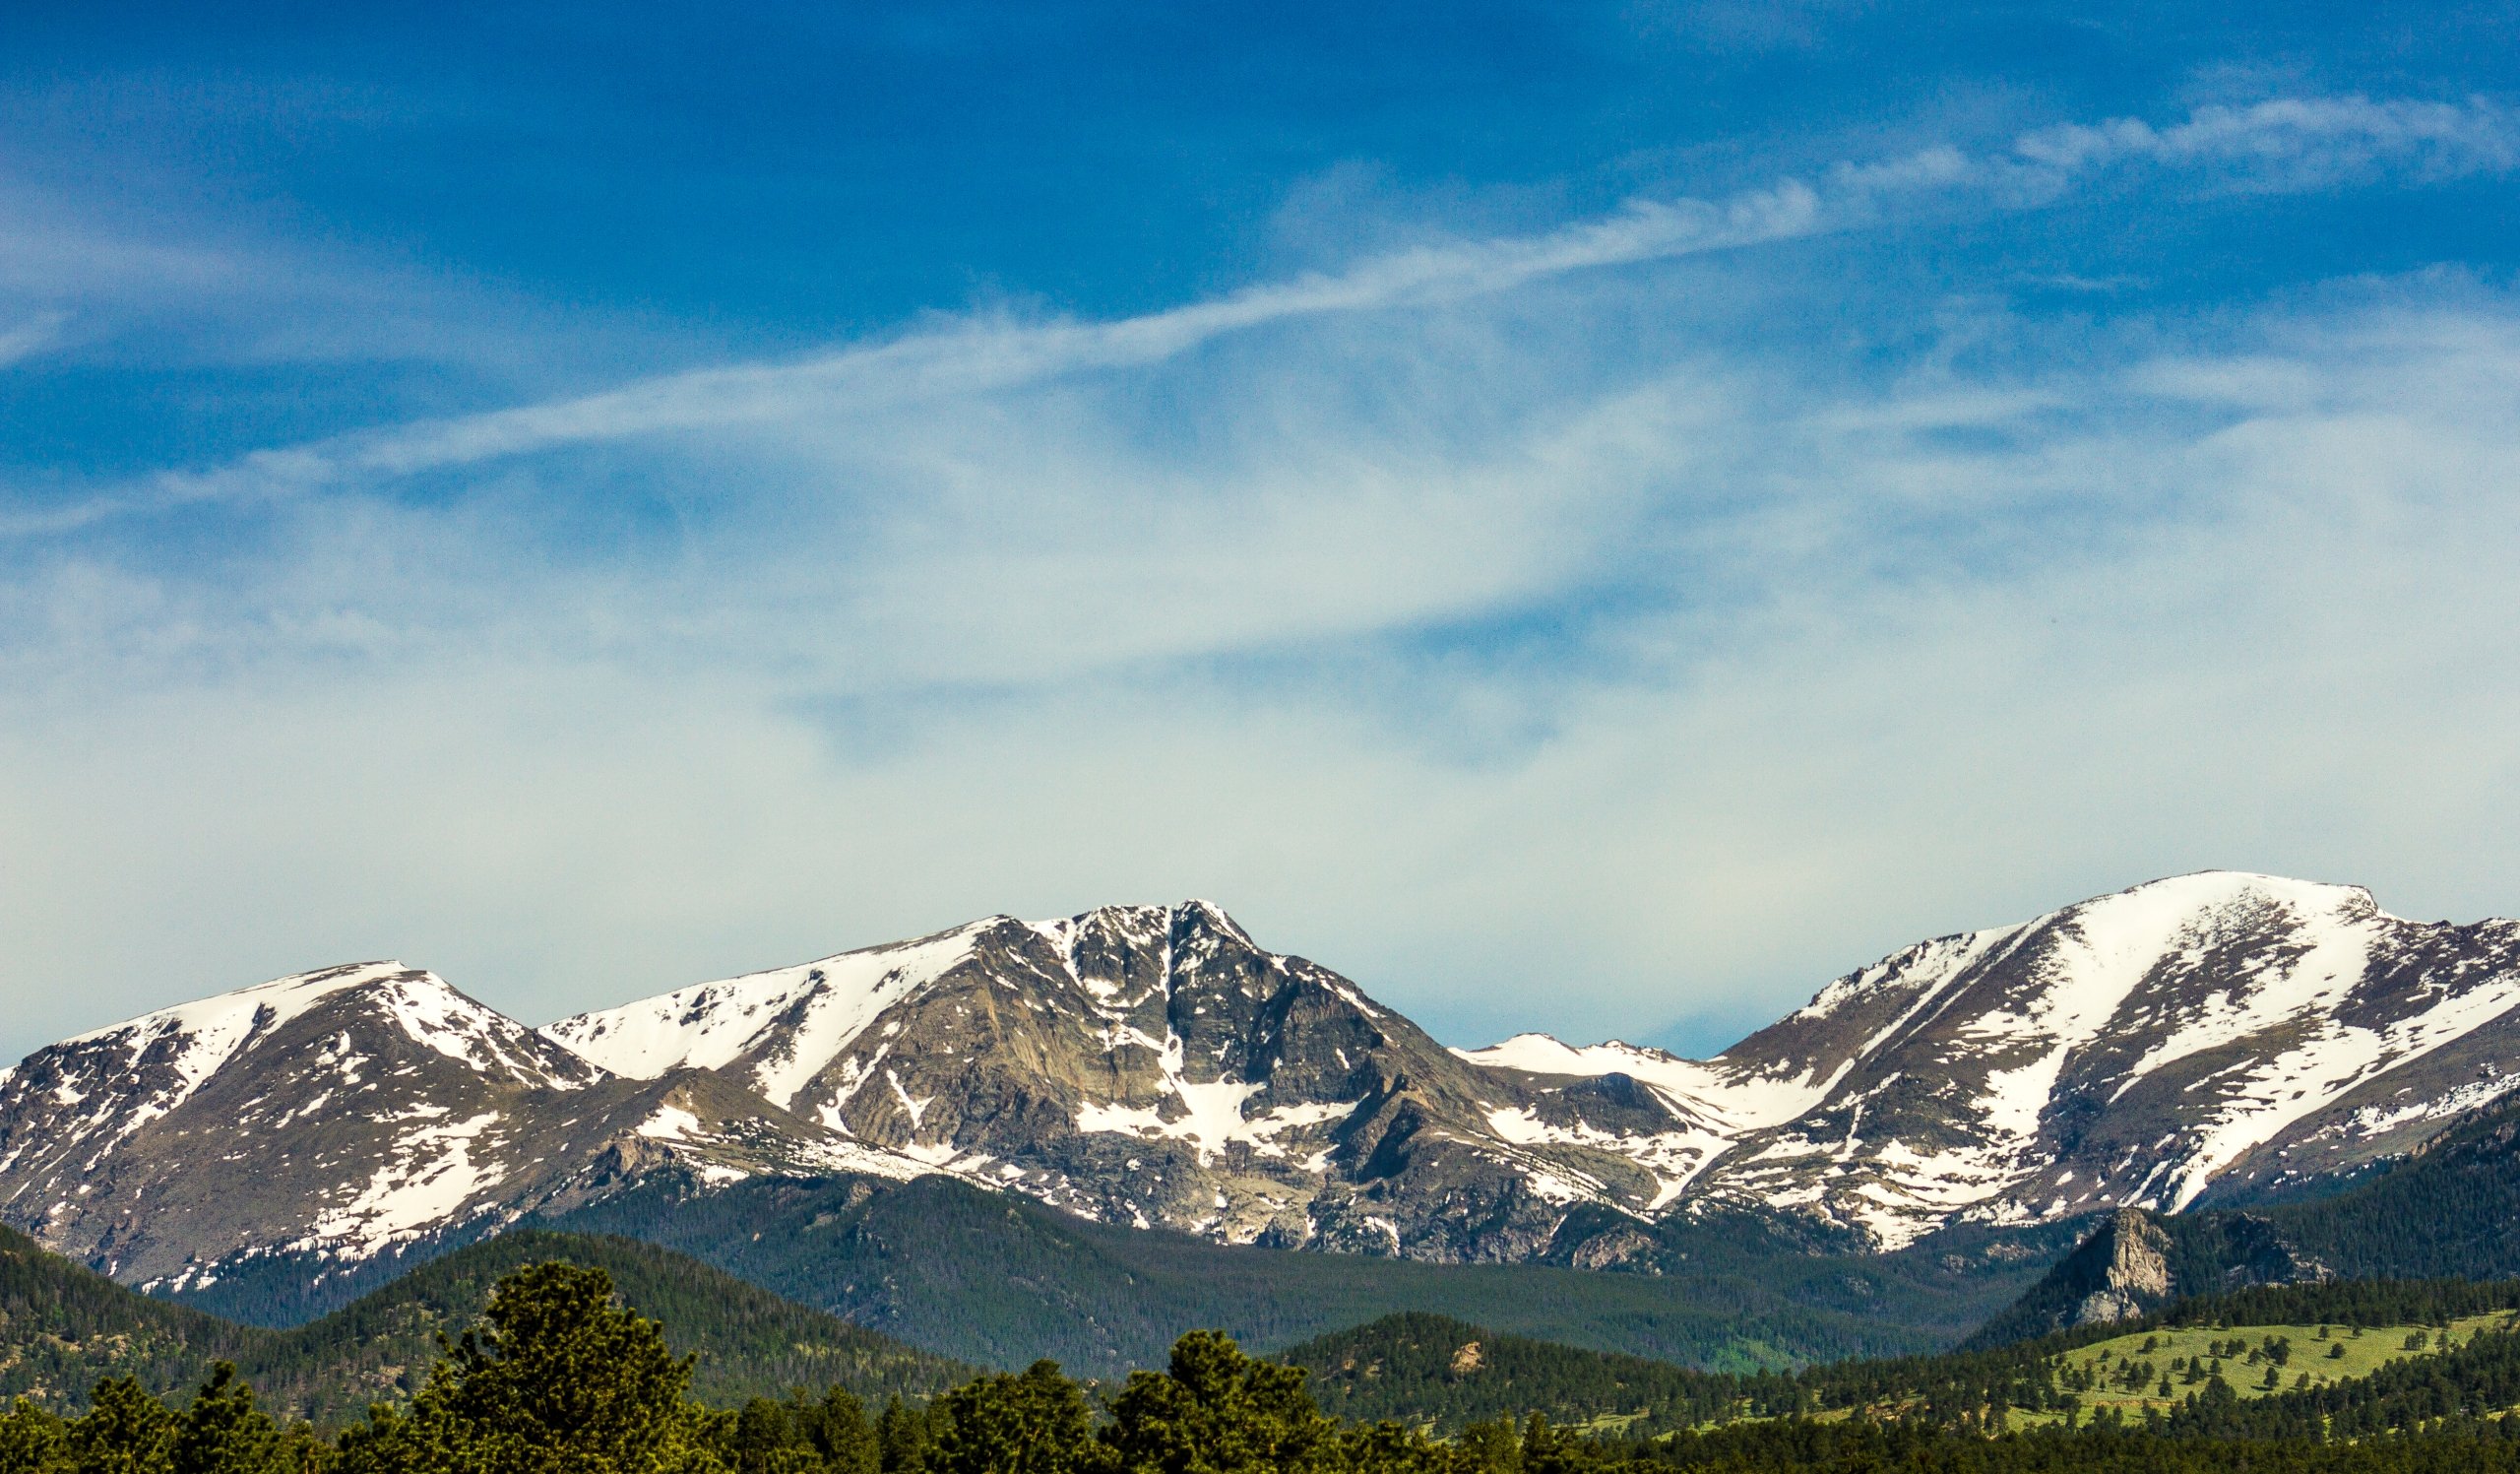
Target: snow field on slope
(429,1179)
(2304,1080)
(711,1025)
(436,1016)
(215,1028)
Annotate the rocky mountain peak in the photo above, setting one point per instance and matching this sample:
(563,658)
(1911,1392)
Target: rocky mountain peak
(2133,1049)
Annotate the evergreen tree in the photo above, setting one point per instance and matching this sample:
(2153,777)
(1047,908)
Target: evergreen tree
(767,1439)
(31,1439)
(560,1381)
(838,1429)
(902,1437)
(1216,1411)
(1386,1448)
(1032,1423)
(1547,1449)
(1490,1446)
(224,1433)
(124,1431)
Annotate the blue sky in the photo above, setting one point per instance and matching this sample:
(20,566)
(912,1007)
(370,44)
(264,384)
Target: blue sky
(1593,518)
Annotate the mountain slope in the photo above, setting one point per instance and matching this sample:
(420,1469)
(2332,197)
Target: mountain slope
(1146,1065)
(999,1280)
(2218,1030)
(1155,1066)
(339,1113)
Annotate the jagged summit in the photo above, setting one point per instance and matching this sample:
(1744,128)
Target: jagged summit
(1139,1064)
(783,1029)
(2202,1036)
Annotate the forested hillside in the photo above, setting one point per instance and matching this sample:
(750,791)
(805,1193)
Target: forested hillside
(1000,1281)
(745,1341)
(63,1329)
(2334,1341)
(557,1373)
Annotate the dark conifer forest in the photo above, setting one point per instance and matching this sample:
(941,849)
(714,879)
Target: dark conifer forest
(558,1375)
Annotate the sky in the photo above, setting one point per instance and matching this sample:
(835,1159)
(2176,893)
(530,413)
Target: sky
(1591,518)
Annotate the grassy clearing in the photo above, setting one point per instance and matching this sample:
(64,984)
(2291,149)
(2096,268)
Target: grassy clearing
(2128,1372)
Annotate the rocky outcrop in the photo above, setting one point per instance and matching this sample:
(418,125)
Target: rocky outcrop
(2135,1276)
(2132,1263)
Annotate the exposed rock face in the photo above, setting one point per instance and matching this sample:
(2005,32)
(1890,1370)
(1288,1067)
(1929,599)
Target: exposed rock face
(2132,1263)
(2136,1276)
(1154,1065)
(1144,1065)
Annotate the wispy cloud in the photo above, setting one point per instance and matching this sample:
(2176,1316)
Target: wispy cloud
(1859,746)
(2296,143)
(31,337)
(2283,144)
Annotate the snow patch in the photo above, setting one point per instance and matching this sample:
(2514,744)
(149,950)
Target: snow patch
(671,1122)
(430,1178)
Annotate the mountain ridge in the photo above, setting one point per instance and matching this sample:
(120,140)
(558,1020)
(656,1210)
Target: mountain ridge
(2216,1035)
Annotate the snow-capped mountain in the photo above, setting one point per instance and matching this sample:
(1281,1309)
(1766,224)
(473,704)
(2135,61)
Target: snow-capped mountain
(2213,1034)
(2195,1039)
(338,1112)
(1140,1064)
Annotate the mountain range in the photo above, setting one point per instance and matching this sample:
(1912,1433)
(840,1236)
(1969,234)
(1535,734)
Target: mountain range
(2218,1039)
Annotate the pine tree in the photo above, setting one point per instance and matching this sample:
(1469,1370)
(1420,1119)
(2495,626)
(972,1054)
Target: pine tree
(1490,1446)
(901,1435)
(1032,1423)
(839,1429)
(767,1439)
(125,1431)
(1386,1448)
(31,1439)
(1216,1411)
(560,1380)
(224,1433)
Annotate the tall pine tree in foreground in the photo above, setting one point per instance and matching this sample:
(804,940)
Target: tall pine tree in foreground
(1216,1411)
(1035,1423)
(224,1433)
(560,1381)
(124,1431)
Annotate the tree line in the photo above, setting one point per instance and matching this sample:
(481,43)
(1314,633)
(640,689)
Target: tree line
(562,1379)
